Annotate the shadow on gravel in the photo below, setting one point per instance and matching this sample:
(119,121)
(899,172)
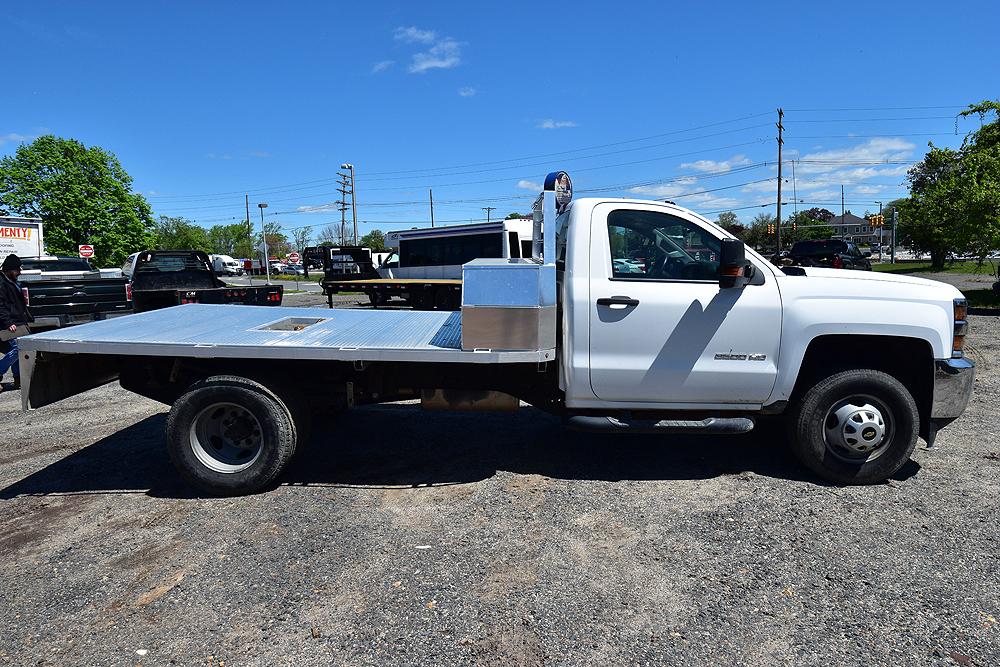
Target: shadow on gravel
(395,445)
(133,460)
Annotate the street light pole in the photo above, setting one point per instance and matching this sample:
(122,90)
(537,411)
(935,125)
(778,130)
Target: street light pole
(354,202)
(263,236)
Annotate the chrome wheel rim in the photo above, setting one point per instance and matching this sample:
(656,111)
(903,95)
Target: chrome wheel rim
(226,438)
(858,428)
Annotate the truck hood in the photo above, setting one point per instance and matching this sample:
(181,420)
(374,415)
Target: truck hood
(879,277)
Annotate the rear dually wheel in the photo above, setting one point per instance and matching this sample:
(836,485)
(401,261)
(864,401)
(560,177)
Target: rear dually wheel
(229,435)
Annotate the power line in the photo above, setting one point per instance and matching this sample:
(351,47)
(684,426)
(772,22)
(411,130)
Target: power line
(501,180)
(268,189)
(866,120)
(948,106)
(494,169)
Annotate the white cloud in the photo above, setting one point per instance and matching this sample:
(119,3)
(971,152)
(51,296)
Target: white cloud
(260,154)
(825,194)
(713,165)
(413,34)
(878,149)
(551,124)
(382,66)
(13,136)
(666,190)
(769,185)
(468,91)
(317,209)
(445,54)
(529,185)
(706,202)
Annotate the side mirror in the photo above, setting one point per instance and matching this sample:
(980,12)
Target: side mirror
(734,269)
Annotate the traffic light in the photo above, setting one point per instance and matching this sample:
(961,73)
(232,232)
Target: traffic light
(794,225)
(877,220)
(770,228)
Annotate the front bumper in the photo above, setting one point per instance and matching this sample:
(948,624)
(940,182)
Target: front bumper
(953,380)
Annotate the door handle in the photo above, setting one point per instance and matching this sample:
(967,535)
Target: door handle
(617,301)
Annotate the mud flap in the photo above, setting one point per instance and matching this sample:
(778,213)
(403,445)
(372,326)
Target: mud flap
(47,377)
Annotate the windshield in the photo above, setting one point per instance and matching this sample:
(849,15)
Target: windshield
(172,263)
(60,264)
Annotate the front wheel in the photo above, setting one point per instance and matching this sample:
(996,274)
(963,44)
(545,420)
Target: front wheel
(229,435)
(856,427)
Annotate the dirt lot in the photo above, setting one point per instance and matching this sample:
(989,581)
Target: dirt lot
(401,537)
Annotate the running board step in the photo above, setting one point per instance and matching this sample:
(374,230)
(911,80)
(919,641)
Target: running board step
(707,426)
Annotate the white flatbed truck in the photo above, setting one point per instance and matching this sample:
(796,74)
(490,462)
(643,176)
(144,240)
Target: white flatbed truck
(699,336)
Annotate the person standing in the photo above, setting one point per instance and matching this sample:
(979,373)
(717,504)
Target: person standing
(13,313)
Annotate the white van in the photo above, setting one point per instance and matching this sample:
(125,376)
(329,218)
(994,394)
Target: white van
(224,265)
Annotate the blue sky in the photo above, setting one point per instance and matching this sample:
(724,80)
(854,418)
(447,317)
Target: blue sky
(205,101)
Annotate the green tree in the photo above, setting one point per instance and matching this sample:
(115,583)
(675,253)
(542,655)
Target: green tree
(177,233)
(374,239)
(277,241)
(802,227)
(756,234)
(516,216)
(83,196)
(731,223)
(225,239)
(954,203)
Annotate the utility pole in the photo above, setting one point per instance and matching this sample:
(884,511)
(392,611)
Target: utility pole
(430,191)
(777,225)
(354,204)
(249,238)
(880,231)
(895,220)
(795,196)
(342,206)
(489,209)
(263,236)
(843,217)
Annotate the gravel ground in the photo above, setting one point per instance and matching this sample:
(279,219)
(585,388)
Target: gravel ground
(400,537)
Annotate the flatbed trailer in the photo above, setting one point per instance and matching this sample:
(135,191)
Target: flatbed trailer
(420,293)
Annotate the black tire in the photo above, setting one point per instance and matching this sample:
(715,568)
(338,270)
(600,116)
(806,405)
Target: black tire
(377,299)
(217,466)
(817,422)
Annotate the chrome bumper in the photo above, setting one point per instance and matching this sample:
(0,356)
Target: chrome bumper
(952,387)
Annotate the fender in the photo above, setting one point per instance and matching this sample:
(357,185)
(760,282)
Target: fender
(822,306)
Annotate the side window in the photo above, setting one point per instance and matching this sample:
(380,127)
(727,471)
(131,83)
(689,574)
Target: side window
(648,245)
(512,244)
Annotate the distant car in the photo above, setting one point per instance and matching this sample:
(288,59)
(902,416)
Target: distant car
(295,269)
(627,266)
(831,253)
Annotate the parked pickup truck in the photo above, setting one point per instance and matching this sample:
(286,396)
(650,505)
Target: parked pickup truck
(162,278)
(829,253)
(857,365)
(62,291)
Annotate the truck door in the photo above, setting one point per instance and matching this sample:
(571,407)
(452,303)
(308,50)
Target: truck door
(661,328)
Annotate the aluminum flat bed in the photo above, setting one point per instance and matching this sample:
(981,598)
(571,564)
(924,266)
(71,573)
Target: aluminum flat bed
(249,332)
